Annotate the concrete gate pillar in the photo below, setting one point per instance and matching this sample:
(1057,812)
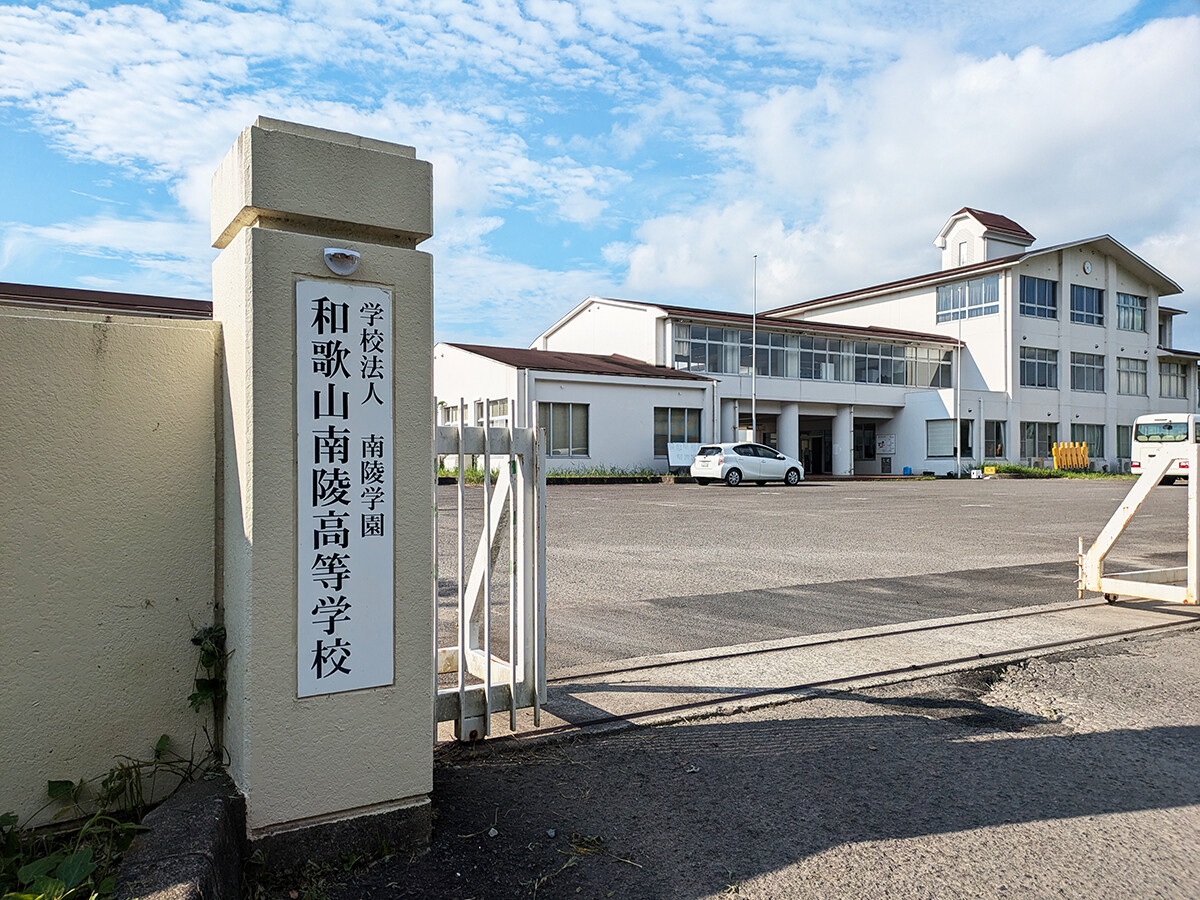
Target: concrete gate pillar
(788,429)
(327,317)
(843,441)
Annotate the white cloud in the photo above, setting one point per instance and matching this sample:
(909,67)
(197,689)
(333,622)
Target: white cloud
(847,182)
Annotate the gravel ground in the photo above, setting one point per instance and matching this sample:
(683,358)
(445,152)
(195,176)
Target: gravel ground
(1070,776)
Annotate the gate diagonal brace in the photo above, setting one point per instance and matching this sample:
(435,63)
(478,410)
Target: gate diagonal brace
(1172,585)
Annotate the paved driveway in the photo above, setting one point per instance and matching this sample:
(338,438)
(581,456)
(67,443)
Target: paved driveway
(642,569)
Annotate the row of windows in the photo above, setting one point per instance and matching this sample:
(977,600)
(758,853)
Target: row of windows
(968,299)
(1039,368)
(730,351)
(1039,300)
(1037,438)
(566,428)
(566,425)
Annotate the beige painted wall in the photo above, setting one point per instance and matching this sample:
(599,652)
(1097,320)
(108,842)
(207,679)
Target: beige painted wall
(108,448)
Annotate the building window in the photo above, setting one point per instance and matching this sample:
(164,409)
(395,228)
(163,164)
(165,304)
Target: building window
(729,351)
(449,415)
(1131,376)
(478,413)
(1092,435)
(1172,380)
(1124,441)
(498,411)
(968,299)
(993,439)
(1037,438)
(1087,305)
(1039,297)
(1039,367)
(864,441)
(1131,312)
(939,438)
(566,426)
(675,426)
(1087,372)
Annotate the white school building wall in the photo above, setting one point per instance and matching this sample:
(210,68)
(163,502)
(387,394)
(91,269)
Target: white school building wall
(620,410)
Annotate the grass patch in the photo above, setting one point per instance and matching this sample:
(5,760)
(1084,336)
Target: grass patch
(1030,472)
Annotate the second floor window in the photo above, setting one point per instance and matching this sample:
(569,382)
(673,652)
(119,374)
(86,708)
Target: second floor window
(1172,380)
(1131,312)
(1131,376)
(1087,305)
(1039,297)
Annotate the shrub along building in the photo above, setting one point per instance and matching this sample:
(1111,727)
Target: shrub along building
(1001,353)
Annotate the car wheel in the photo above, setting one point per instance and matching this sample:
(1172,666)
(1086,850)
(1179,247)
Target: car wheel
(733,477)
(792,478)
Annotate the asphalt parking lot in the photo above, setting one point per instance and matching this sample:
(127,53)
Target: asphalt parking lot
(635,570)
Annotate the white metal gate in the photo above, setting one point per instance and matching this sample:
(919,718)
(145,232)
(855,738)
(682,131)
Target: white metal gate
(1180,584)
(491,675)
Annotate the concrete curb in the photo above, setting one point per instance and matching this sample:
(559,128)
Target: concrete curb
(194,848)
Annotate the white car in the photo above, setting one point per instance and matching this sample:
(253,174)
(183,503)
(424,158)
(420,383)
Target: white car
(735,463)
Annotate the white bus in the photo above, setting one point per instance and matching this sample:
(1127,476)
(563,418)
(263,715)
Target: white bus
(1156,434)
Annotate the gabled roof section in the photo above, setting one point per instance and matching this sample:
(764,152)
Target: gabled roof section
(994,225)
(998,223)
(38,296)
(1104,243)
(576,363)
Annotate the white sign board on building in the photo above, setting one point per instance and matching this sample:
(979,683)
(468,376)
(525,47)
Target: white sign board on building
(345,635)
(681,455)
(885,445)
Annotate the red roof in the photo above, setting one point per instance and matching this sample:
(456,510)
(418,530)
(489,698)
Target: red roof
(104,301)
(577,363)
(996,222)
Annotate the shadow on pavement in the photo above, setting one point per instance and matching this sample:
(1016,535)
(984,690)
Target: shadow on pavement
(684,811)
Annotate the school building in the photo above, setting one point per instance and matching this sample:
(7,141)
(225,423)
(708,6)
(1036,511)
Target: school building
(1004,351)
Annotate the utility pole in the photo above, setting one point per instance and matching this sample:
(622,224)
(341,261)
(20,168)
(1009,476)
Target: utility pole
(754,358)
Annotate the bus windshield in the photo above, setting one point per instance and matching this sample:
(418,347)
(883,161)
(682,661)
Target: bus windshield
(1161,431)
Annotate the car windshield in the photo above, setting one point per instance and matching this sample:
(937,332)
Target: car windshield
(709,451)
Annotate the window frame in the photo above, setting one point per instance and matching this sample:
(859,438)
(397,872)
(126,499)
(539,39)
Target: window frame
(1129,375)
(1047,430)
(1034,302)
(1087,368)
(1087,305)
(1080,432)
(993,438)
(1180,377)
(546,422)
(1039,364)
(668,435)
(1131,311)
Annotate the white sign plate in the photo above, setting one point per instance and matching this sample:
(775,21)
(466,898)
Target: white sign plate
(344,602)
(679,455)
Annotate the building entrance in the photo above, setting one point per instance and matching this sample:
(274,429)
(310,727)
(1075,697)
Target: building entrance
(768,429)
(816,451)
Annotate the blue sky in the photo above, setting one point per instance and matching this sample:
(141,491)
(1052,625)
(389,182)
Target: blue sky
(644,149)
